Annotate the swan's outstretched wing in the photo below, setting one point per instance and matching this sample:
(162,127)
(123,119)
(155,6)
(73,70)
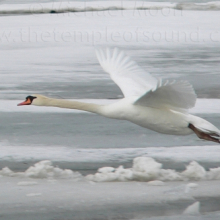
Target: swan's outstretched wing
(127,74)
(134,81)
(173,94)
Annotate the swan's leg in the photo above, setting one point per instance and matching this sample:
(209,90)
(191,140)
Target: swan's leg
(203,135)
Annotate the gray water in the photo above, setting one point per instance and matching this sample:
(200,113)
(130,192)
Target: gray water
(87,131)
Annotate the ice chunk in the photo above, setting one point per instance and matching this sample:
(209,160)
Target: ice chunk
(194,171)
(103,177)
(124,174)
(146,168)
(107,174)
(169,175)
(192,209)
(42,169)
(214,174)
(6,172)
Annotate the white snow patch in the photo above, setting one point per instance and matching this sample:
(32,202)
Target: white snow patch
(6,172)
(169,175)
(213,174)
(192,209)
(118,174)
(42,169)
(147,169)
(143,169)
(194,171)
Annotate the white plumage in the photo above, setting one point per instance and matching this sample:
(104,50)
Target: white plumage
(131,78)
(134,81)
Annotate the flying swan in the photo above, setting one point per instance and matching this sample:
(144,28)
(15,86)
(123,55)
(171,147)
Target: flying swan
(148,102)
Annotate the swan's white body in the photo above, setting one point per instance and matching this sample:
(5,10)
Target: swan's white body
(149,102)
(171,122)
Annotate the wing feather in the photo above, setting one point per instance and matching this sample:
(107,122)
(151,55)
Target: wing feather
(177,94)
(127,74)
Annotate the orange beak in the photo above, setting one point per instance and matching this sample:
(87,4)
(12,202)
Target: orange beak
(26,102)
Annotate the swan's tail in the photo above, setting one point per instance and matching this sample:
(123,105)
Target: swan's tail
(204,129)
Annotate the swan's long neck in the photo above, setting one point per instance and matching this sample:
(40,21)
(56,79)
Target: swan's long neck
(89,107)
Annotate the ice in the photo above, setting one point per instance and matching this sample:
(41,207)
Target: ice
(147,169)
(42,169)
(194,171)
(192,209)
(77,196)
(214,173)
(116,200)
(124,174)
(169,175)
(6,172)
(108,175)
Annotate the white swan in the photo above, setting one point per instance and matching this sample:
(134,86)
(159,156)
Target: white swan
(149,102)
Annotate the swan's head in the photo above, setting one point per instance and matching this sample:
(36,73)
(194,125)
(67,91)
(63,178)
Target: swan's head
(34,100)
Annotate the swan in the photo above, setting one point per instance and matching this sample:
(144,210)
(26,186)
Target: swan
(159,105)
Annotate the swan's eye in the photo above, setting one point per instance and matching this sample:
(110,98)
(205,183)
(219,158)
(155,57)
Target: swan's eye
(31,98)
